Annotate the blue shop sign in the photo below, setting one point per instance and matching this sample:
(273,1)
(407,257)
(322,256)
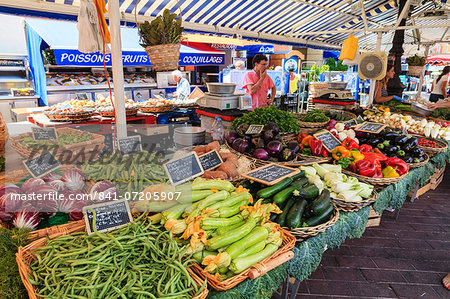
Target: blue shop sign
(131,58)
(257,49)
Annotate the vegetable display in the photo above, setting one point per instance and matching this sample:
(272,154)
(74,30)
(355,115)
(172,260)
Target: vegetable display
(267,145)
(135,261)
(63,139)
(314,116)
(130,173)
(261,116)
(337,115)
(225,232)
(311,146)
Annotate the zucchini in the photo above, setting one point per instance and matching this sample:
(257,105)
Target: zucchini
(255,248)
(309,191)
(226,212)
(223,230)
(281,196)
(173,213)
(223,270)
(266,201)
(233,235)
(283,215)
(258,234)
(321,218)
(199,256)
(200,194)
(269,191)
(322,202)
(240,264)
(213,223)
(231,201)
(294,216)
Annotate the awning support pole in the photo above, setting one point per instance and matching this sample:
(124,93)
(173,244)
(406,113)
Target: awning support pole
(117,68)
(422,75)
(373,82)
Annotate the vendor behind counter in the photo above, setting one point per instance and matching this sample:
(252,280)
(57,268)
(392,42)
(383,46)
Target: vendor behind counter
(183,86)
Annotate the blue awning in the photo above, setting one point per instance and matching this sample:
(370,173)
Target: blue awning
(257,49)
(62,37)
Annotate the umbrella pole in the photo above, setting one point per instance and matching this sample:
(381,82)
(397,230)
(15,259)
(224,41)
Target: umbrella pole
(117,68)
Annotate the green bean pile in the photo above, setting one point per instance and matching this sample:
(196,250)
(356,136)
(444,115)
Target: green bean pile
(131,173)
(135,261)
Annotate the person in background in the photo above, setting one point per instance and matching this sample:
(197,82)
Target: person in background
(183,87)
(293,81)
(381,94)
(439,105)
(257,83)
(439,86)
(240,65)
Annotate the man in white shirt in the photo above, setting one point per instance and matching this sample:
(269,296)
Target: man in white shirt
(183,87)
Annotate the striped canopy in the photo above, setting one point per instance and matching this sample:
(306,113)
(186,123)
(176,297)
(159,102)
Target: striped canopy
(296,22)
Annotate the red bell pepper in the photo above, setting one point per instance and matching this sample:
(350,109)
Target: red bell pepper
(366,168)
(301,146)
(374,156)
(316,146)
(377,151)
(300,137)
(365,148)
(402,166)
(349,143)
(378,173)
(324,153)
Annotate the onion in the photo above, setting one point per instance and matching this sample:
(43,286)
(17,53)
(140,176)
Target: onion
(31,184)
(59,185)
(52,176)
(74,179)
(26,219)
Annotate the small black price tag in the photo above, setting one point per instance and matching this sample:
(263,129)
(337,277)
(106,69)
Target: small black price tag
(44,133)
(42,165)
(330,142)
(109,216)
(183,169)
(270,174)
(210,160)
(130,145)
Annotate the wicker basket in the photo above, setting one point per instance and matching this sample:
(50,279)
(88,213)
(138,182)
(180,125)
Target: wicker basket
(156,109)
(110,113)
(164,57)
(305,124)
(420,164)
(375,181)
(86,115)
(3,133)
(97,143)
(303,233)
(352,206)
(287,245)
(25,257)
(443,146)
(415,70)
(309,131)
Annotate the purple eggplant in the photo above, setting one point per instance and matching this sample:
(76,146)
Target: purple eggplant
(231,136)
(268,136)
(294,147)
(261,154)
(240,145)
(286,154)
(274,148)
(241,129)
(257,142)
(273,127)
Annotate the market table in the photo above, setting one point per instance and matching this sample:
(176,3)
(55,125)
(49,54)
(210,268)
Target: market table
(308,254)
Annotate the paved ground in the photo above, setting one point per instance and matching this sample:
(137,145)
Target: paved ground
(403,258)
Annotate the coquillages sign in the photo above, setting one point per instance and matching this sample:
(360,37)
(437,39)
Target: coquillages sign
(131,58)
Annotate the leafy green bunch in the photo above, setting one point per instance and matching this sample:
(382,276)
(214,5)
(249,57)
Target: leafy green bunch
(416,60)
(261,116)
(314,116)
(162,30)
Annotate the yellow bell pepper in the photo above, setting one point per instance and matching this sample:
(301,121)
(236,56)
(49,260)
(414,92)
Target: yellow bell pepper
(355,156)
(340,152)
(390,172)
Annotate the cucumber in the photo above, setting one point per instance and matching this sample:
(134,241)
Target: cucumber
(294,216)
(282,217)
(321,218)
(310,191)
(258,234)
(281,196)
(269,191)
(322,202)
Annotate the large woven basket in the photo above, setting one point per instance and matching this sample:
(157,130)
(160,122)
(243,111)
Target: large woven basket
(155,109)
(443,146)
(415,70)
(375,181)
(25,257)
(352,206)
(305,124)
(94,145)
(303,233)
(347,113)
(164,57)
(261,267)
(420,164)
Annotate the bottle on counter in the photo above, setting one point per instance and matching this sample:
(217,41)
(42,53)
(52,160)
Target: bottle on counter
(217,130)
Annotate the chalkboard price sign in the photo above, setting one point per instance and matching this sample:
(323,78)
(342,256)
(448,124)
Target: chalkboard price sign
(43,133)
(254,129)
(41,165)
(82,96)
(184,168)
(370,127)
(270,174)
(351,123)
(330,142)
(210,160)
(130,145)
(108,216)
